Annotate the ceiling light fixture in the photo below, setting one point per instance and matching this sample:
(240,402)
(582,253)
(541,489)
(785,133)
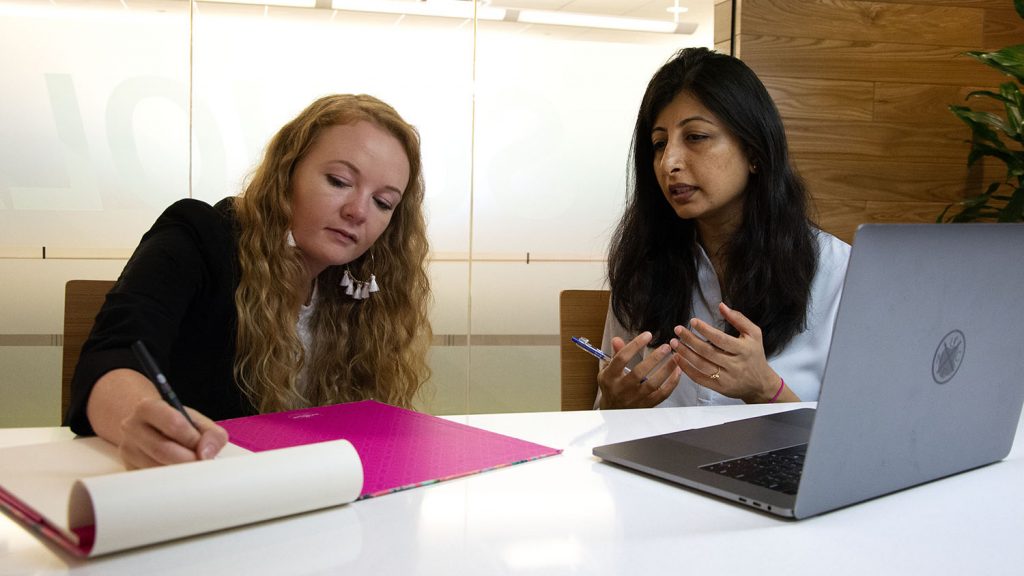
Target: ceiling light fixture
(604,22)
(265,3)
(677,9)
(439,9)
(483,11)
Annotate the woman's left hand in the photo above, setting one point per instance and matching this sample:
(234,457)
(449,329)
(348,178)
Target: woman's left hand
(733,366)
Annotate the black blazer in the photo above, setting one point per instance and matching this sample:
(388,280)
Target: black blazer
(176,294)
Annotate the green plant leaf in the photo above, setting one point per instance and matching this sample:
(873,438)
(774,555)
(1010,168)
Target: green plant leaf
(1014,209)
(1009,60)
(988,93)
(981,123)
(985,141)
(1002,201)
(1013,101)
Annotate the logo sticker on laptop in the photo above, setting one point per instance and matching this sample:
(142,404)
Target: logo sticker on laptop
(948,356)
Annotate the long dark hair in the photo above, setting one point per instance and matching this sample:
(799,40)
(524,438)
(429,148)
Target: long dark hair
(771,259)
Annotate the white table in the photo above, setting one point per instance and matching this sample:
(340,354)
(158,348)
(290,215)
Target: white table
(575,514)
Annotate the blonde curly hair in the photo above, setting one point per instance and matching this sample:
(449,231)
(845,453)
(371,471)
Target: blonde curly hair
(372,348)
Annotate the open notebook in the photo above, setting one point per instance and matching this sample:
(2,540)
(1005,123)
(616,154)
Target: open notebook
(77,494)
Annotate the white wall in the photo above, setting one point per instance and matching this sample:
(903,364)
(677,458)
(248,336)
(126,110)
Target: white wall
(112,110)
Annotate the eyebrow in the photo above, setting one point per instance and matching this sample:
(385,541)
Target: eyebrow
(355,169)
(684,122)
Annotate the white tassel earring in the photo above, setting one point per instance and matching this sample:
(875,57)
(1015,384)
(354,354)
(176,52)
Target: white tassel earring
(289,239)
(359,289)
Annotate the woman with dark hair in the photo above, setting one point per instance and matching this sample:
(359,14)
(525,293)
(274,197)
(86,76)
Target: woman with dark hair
(309,288)
(716,234)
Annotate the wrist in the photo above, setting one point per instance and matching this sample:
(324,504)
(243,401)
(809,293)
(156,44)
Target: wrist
(778,391)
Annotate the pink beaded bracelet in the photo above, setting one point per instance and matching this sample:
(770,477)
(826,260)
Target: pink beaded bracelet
(782,384)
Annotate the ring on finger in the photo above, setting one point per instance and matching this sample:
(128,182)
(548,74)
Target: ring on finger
(717,374)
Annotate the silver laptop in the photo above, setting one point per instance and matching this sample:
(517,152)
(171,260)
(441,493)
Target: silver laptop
(924,379)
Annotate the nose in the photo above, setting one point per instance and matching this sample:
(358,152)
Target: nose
(356,207)
(672,158)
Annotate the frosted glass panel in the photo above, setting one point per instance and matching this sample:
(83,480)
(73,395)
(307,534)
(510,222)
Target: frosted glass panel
(554,123)
(520,298)
(95,117)
(257,67)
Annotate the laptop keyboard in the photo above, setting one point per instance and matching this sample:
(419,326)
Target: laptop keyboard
(776,470)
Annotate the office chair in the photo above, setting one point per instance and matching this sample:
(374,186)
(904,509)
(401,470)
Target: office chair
(580,313)
(82,301)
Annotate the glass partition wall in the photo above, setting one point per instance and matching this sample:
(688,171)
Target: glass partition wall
(113,109)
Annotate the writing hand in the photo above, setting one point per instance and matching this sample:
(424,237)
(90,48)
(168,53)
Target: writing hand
(647,385)
(155,434)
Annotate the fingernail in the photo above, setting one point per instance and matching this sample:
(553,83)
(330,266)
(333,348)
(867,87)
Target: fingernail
(207,452)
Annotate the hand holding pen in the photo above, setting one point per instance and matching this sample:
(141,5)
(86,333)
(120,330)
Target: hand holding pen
(152,435)
(585,345)
(648,384)
(158,378)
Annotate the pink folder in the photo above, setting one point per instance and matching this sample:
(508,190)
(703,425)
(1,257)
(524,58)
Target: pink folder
(399,448)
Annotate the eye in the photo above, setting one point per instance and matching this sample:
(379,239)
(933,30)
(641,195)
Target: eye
(696,137)
(338,182)
(383,204)
(658,145)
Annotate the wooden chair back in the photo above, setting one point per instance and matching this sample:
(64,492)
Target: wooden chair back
(580,313)
(82,302)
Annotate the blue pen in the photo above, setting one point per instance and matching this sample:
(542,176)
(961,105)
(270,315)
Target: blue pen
(158,378)
(585,345)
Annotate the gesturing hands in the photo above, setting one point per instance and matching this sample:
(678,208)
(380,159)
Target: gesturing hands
(733,366)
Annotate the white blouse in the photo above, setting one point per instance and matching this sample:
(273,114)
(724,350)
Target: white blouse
(304,328)
(801,363)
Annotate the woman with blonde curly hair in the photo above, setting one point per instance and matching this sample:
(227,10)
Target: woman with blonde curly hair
(307,289)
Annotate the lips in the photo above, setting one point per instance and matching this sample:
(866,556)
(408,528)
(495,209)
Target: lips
(344,235)
(682,191)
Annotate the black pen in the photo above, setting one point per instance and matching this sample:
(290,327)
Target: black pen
(158,378)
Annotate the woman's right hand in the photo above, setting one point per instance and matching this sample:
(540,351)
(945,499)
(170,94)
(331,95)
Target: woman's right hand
(647,385)
(156,434)
(125,409)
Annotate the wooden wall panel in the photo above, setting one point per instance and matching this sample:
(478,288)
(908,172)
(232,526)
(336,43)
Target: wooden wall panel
(864,21)
(822,99)
(897,212)
(864,61)
(996,4)
(723,21)
(925,103)
(885,180)
(864,88)
(839,217)
(867,140)
(1002,28)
